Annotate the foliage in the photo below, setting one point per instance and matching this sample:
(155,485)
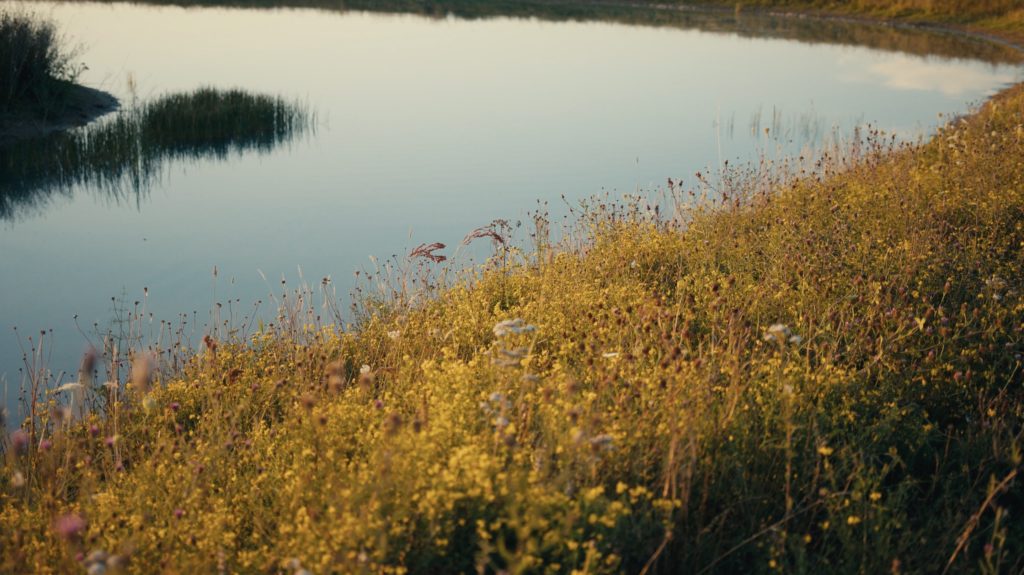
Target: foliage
(819,374)
(34,66)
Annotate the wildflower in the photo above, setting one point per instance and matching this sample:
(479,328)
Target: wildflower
(96,563)
(508,326)
(175,406)
(875,496)
(510,357)
(394,334)
(853,520)
(94,430)
(45,445)
(781,334)
(96,556)
(17,479)
(825,450)
(19,441)
(69,527)
(179,513)
(610,354)
(364,370)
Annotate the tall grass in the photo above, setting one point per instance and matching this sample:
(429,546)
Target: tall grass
(33,62)
(800,374)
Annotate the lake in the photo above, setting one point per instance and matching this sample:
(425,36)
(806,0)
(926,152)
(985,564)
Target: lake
(421,128)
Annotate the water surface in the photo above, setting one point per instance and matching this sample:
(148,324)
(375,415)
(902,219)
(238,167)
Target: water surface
(428,127)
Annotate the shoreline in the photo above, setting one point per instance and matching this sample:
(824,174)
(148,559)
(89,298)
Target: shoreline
(83,105)
(1015,42)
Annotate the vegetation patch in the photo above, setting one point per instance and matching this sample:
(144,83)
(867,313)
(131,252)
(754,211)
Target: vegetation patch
(38,94)
(811,374)
(125,156)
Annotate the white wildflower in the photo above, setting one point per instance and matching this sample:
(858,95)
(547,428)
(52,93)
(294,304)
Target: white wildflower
(394,334)
(508,326)
(364,370)
(781,334)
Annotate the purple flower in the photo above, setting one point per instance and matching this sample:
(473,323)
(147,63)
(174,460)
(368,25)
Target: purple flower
(45,445)
(19,440)
(69,527)
(179,513)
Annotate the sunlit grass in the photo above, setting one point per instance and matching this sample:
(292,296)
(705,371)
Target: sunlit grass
(816,374)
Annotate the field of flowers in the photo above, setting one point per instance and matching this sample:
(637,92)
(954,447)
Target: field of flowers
(775,372)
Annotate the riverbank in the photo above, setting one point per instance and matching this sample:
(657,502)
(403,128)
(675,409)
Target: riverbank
(773,374)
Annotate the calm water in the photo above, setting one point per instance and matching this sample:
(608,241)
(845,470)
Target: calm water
(426,129)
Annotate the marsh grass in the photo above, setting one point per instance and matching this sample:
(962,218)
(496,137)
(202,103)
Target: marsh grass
(765,372)
(36,67)
(125,156)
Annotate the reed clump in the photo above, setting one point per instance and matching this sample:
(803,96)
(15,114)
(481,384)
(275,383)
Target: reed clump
(126,155)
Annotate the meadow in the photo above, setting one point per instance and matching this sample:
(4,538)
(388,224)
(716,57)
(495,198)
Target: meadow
(812,367)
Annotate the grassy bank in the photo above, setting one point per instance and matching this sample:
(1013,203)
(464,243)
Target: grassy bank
(1002,18)
(821,375)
